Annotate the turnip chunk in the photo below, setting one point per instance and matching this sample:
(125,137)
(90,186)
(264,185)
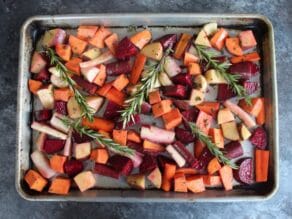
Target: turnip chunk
(176,156)
(68,145)
(136,158)
(40,141)
(42,164)
(48,130)
(104,57)
(157,135)
(56,122)
(240,113)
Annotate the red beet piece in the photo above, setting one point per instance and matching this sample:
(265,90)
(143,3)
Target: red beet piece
(245,69)
(244,173)
(250,87)
(145,108)
(183,151)
(73,167)
(136,146)
(183,135)
(183,79)
(224,92)
(178,91)
(43,76)
(233,149)
(77,138)
(106,170)
(86,86)
(167,40)
(205,157)
(53,145)
(43,115)
(117,68)
(181,104)
(126,49)
(149,163)
(121,164)
(112,111)
(61,107)
(162,160)
(259,138)
(189,116)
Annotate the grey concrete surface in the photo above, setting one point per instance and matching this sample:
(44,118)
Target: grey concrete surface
(12,15)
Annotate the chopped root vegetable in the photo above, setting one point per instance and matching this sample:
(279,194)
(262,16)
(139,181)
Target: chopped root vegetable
(261,165)
(41,162)
(99,123)
(196,184)
(34,86)
(60,186)
(250,123)
(233,46)
(78,46)
(120,136)
(251,57)
(86,32)
(120,82)
(217,41)
(194,69)
(172,119)
(137,68)
(190,58)
(152,147)
(255,108)
(73,65)
(85,180)
(57,163)
(112,42)
(161,108)
(99,37)
(157,135)
(64,51)
(180,183)
(35,181)
(140,39)
(212,181)
(181,45)
(213,166)
(168,174)
(226,177)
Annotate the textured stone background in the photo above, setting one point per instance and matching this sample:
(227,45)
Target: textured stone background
(13,14)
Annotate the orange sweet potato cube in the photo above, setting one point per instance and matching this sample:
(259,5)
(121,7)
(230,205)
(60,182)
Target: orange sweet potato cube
(154,97)
(57,163)
(217,137)
(172,119)
(180,183)
(35,181)
(120,136)
(161,108)
(60,186)
(120,82)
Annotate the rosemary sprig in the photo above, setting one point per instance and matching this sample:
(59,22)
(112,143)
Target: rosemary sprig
(232,79)
(211,146)
(134,102)
(87,111)
(99,138)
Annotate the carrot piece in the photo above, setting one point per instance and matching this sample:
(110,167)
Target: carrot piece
(101,76)
(116,96)
(180,183)
(168,174)
(137,68)
(141,38)
(151,146)
(190,58)
(120,136)
(101,155)
(172,119)
(212,180)
(196,185)
(120,82)
(133,136)
(60,186)
(233,46)
(261,165)
(217,41)
(102,91)
(57,163)
(204,121)
(63,94)
(86,32)
(154,97)
(251,57)
(226,177)
(73,65)
(213,166)
(78,46)
(210,108)
(161,108)
(99,123)
(98,39)
(187,171)
(64,51)
(199,146)
(111,42)
(34,86)
(194,69)
(261,118)
(256,106)
(93,154)
(35,181)
(182,45)
(217,137)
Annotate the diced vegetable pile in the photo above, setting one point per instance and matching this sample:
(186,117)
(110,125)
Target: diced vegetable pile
(95,91)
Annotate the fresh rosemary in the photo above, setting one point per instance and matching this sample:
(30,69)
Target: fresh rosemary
(87,111)
(99,138)
(133,104)
(232,79)
(211,146)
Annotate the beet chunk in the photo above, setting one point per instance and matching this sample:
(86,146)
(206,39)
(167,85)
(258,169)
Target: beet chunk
(205,157)
(148,164)
(53,145)
(121,164)
(43,76)
(233,149)
(244,173)
(112,111)
(224,92)
(73,167)
(126,49)
(86,86)
(245,69)
(167,40)
(61,107)
(106,170)
(178,91)
(77,138)
(117,68)
(184,136)
(43,115)
(259,138)
(183,79)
